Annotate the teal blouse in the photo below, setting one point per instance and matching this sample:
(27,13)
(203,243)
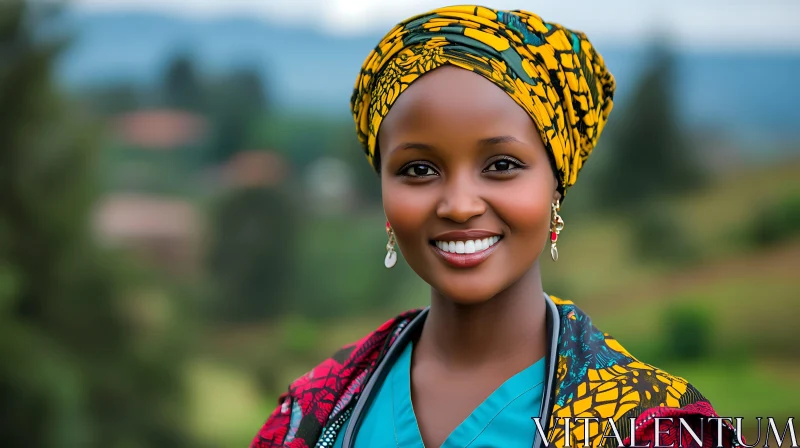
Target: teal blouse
(504,419)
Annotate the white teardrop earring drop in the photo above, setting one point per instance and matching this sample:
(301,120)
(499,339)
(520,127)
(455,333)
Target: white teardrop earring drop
(391,255)
(391,259)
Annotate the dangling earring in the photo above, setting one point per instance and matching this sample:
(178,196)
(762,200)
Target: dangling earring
(391,255)
(556,226)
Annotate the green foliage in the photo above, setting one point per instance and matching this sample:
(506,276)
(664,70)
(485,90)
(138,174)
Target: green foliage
(648,156)
(366,179)
(168,173)
(302,139)
(114,99)
(252,253)
(776,222)
(182,84)
(300,335)
(231,102)
(77,368)
(343,271)
(688,332)
(235,100)
(658,236)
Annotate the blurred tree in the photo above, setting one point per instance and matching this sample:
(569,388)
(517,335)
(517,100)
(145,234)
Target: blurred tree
(775,222)
(649,155)
(344,256)
(238,100)
(688,331)
(79,367)
(252,254)
(301,138)
(657,235)
(182,87)
(347,146)
(114,99)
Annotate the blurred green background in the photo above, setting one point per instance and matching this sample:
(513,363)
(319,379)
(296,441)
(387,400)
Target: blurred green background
(187,222)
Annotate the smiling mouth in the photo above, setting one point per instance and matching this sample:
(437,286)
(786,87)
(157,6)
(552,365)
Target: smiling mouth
(466,253)
(468,246)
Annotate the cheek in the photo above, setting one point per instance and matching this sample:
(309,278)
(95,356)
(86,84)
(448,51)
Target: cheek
(530,219)
(525,208)
(406,209)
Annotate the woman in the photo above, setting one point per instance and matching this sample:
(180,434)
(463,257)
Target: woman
(475,158)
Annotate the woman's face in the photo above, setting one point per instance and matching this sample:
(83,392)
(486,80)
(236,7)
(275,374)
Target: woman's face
(467,184)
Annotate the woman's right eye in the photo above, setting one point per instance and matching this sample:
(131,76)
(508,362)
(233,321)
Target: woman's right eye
(418,170)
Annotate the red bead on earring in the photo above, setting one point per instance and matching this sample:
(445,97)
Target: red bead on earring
(556,226)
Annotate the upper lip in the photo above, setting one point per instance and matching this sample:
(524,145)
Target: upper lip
(464,235)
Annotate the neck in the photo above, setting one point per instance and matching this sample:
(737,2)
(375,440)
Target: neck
(510,326)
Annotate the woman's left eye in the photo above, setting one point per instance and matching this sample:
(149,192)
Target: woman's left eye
(503,165)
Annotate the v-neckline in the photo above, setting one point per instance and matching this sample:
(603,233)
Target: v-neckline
(406,426)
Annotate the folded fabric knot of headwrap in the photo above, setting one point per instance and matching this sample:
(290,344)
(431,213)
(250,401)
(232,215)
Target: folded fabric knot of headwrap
(552,72)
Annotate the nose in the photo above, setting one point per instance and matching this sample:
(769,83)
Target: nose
(460,200)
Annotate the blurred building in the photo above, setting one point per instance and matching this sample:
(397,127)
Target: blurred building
(159,129)
(166,233)
(156,151)
(330,186)
(254,169)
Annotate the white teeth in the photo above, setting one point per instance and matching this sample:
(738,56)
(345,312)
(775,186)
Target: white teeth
(467,247)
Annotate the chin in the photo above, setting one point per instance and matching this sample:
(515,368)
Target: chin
(466,294)
(472,286)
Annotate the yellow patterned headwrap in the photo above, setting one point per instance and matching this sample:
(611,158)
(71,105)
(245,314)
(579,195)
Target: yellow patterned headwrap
(553,73)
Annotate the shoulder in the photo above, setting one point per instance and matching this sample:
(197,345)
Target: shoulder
(351,363)
(310,401)
(361,354)
(591,355)
(597,374)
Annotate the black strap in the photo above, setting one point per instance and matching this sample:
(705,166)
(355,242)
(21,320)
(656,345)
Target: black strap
(551,359)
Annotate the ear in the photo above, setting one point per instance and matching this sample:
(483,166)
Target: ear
(556,195)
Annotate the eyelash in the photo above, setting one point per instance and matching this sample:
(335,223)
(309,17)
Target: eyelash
(510,160)
(405,170)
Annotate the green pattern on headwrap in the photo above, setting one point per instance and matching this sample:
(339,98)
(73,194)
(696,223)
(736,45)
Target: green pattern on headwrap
(553,73)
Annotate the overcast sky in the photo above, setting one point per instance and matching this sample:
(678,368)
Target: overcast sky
(771,25)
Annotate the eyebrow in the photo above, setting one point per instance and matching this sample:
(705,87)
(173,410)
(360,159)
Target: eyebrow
(412,145)
(499,140)
(483,142)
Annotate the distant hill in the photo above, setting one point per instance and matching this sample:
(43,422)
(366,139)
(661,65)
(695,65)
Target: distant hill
(755,96)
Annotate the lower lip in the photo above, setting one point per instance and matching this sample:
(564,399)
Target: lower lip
(465,260)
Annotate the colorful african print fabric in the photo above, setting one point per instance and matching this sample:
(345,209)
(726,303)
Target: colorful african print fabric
(552,72)
(596,378)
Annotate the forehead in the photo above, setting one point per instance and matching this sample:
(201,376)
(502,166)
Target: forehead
(452,102)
